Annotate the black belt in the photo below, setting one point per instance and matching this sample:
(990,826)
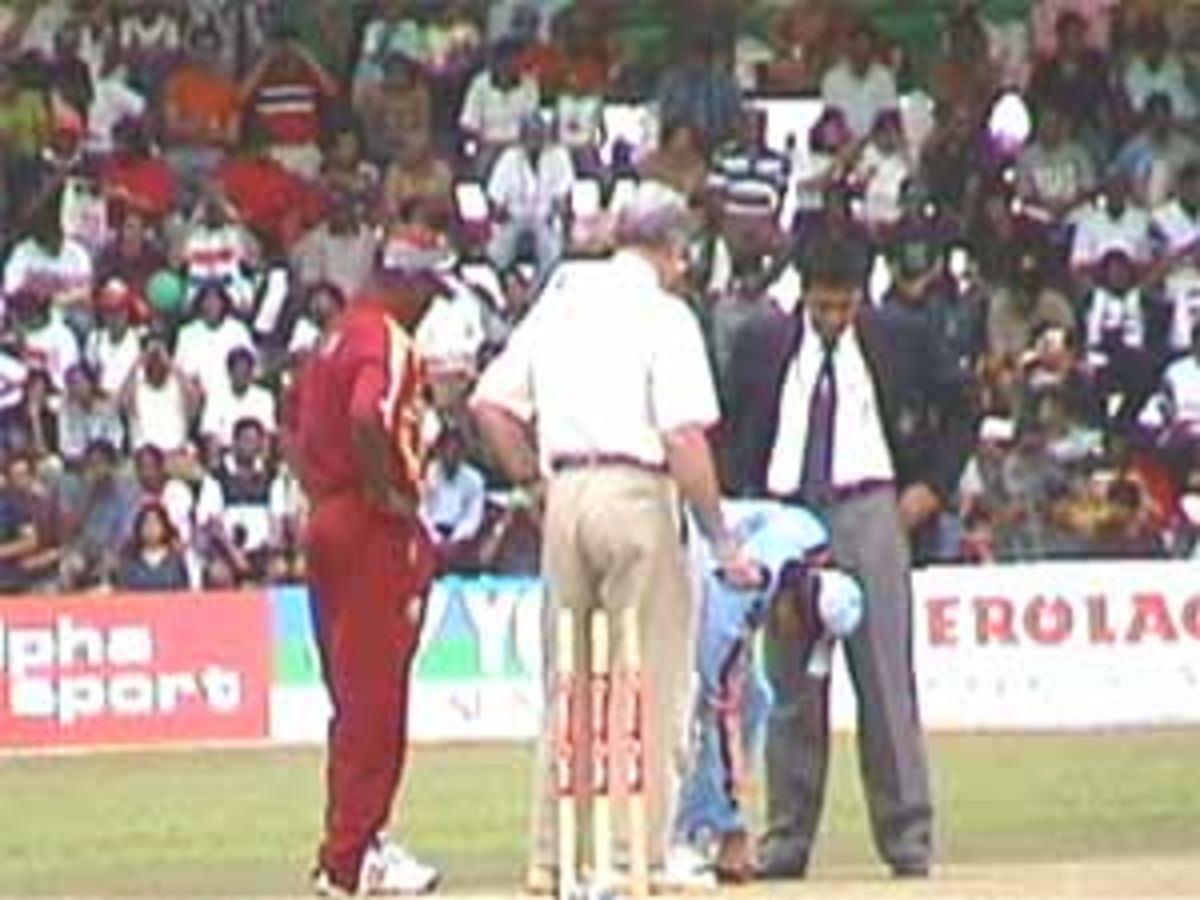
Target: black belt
(566,462)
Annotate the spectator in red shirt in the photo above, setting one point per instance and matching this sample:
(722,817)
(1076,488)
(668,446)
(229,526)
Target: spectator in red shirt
(285,92)
(275,204)
(370,563)
(134,176)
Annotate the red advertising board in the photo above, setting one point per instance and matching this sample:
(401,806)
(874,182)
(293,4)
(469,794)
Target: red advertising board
(133,669)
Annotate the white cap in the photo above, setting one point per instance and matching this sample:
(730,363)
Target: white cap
(840,607)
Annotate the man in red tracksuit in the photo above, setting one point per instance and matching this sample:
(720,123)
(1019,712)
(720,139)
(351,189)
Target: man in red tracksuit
(357,448)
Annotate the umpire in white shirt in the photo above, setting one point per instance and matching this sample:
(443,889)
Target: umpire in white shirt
(605,390)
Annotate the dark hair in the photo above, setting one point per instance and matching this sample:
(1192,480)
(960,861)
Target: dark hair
(1124,493)
(104,448)
(152,451)
(832,261)
(147,509)
(248,422)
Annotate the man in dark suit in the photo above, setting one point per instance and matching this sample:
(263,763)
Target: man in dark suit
(863,416)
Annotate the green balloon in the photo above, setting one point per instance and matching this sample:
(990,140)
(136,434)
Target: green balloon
(166,291)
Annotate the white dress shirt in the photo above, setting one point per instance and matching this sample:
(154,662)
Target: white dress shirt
(860,449)
(606,361)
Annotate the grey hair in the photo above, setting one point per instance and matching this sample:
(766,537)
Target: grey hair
(655,215)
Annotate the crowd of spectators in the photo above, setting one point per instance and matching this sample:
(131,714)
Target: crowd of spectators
(190,192)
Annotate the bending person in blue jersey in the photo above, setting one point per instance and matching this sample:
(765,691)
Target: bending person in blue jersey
(818,605)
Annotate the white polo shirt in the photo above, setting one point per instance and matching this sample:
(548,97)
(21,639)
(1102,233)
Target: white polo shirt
(605,362)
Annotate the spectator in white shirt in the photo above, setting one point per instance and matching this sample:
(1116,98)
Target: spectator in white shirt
(86,416)
(322,303)
(173,494)
(453,332)
(218,249)
(1055,173)
(47,341)
(208,340)
(289,512)
(882,171)
(115,347)
(1116,336)
(497,101)
(1116,222)
(233,512)
(243,400)
(1153,157)
(48,263)
(160,404)
(1177,232)
(859,85)
(452,502)
(530,195)
(1181,389)
(113,101)
(339,251)
(149,38)
(1154,69)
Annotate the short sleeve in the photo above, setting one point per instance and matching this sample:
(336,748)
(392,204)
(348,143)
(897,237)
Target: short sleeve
(471,118)
(507,382)
(681,383)
(211,504)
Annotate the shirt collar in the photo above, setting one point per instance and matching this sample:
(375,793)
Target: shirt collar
(636,269)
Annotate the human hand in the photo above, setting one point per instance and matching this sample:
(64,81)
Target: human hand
(918,504)
(391,502)
(736,568)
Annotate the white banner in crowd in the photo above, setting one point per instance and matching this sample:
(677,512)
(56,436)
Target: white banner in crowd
(1048,646)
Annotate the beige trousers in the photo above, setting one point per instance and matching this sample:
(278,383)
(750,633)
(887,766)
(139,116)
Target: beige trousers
(611,540)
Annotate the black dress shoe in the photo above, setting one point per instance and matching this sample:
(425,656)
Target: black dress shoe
(780,868)
(910,870)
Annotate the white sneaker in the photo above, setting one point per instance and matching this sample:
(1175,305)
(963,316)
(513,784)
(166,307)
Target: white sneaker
(387,870)
(685,871)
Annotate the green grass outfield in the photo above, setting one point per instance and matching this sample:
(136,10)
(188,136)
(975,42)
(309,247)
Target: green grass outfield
(1019,815)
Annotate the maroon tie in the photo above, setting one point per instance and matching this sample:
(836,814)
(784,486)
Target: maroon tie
(816,478)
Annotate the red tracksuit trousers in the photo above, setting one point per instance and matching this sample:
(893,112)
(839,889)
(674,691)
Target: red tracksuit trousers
(368,575)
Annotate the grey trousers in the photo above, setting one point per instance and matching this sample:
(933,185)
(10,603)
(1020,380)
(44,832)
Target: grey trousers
(868,542)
